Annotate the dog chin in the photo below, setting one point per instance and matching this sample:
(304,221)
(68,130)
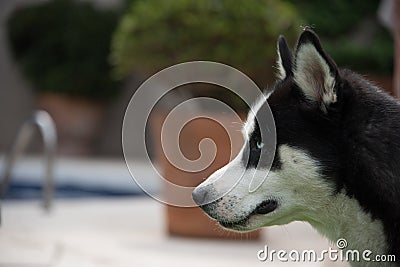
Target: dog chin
(253,220)
(240,226)
(247,224)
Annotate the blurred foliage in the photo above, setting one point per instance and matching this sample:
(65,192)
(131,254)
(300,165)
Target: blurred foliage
(155,34)
(350,33)
(63,47)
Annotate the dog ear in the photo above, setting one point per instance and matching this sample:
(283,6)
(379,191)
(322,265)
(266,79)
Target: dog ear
(315,73)
(284,59)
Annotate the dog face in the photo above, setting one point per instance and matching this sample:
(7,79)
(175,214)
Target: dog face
(305,103)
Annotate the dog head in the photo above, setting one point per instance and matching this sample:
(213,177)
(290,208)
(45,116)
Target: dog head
(306,105)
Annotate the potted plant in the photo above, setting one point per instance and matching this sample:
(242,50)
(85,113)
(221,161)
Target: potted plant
(155,34)
(62,47)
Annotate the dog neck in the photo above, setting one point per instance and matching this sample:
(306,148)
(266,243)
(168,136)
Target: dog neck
(343,217)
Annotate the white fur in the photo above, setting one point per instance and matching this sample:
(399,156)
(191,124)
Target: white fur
(281,70)
(248,127)
(302,194)
(313,76)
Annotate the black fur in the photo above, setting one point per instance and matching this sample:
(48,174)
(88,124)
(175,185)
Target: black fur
(285,55)
(356,140)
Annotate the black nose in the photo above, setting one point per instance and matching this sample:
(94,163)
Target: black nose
(200,195)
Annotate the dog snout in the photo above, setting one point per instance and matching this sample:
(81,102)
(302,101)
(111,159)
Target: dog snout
(204,194)
(200,195)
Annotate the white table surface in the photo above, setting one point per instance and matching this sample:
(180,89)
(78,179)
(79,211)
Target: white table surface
(129,232)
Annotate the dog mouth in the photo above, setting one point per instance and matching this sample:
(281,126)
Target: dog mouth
(266,207)
(263,208)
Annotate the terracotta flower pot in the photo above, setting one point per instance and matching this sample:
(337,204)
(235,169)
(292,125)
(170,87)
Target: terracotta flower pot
(193,222)
(77,121)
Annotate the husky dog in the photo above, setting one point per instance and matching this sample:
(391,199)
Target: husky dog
(337,159)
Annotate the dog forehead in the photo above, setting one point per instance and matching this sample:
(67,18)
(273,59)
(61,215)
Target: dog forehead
(250,124)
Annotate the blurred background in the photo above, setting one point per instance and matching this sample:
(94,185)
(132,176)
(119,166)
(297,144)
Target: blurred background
(81,61)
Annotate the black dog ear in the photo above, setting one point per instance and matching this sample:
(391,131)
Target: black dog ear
(284,59)
(315,73)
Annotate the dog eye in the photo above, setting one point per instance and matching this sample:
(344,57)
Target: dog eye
(260,144)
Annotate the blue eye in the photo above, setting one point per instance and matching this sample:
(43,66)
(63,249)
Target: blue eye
(260,144)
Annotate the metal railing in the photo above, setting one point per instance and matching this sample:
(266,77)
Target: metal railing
(42,121)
